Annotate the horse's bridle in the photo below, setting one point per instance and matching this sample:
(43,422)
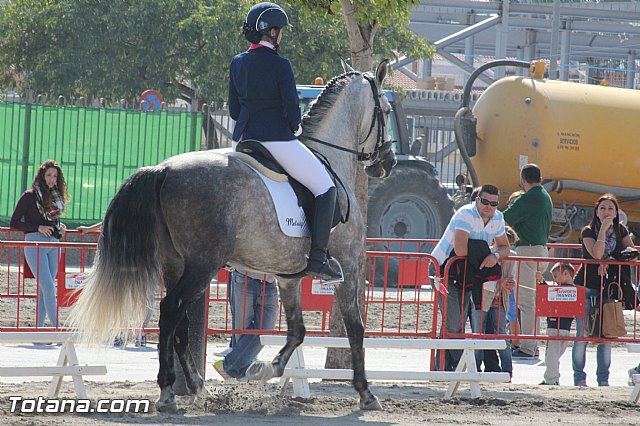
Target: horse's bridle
(381,146)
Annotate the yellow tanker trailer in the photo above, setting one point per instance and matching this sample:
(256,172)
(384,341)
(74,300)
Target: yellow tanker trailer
(583,137)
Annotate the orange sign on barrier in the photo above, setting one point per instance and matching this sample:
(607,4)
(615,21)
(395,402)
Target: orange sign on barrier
(315,296)
(413,272)
(560,301)
(68,285)
(224,275)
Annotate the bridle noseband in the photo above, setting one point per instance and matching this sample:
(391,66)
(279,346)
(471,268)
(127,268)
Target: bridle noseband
(381,146)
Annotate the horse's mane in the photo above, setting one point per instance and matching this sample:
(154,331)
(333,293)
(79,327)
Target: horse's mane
(326,99)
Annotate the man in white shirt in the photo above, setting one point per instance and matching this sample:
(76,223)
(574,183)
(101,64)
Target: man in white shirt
(479,220)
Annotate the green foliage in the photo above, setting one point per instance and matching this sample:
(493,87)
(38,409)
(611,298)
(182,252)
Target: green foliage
(93,47)
(116,49)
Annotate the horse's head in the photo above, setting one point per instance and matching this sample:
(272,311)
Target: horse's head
(361,100)
(381,158)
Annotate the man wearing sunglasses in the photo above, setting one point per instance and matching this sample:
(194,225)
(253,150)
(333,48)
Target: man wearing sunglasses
(530,216)
(470,233)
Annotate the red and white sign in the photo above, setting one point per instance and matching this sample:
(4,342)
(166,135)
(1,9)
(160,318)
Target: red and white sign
(315,296)
(562,294)
(560,301)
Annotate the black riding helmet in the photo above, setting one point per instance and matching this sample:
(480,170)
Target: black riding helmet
(261,18)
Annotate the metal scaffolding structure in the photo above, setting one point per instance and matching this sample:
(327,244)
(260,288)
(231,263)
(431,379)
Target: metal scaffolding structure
(568,34)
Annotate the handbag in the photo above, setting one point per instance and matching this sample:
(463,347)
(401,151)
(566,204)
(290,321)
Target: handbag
(612,317)
(592,328)
(629,253)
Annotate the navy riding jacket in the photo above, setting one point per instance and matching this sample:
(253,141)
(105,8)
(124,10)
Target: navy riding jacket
(262,96)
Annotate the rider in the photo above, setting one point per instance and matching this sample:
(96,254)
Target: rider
(264,102)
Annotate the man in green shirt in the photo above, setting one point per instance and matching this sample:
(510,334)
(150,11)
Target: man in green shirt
(530,216)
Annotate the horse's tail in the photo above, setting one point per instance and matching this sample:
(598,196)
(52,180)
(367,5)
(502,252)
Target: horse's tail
(127,264)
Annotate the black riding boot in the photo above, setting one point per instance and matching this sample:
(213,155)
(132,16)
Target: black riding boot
(323,209)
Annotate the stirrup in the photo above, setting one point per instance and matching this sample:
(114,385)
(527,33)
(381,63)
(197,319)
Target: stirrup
(337,280)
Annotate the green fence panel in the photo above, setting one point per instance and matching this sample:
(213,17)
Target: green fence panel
(98,149)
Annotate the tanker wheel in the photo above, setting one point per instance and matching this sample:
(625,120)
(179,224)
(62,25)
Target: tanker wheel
(411,203)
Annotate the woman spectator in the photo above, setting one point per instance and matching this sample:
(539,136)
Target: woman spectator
(603,236)
(37,214)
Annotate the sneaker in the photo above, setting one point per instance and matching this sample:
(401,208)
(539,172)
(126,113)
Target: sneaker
(632,371)
(519,353)
(554,383)
(581,385)
(603,384)
(223,353)
(219,367)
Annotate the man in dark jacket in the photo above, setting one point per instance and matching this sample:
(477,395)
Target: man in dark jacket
(470,232)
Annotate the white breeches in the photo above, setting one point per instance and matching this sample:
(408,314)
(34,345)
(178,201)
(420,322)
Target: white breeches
(301,164)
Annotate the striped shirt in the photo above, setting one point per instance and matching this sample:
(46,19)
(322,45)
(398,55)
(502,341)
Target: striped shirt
(468,219)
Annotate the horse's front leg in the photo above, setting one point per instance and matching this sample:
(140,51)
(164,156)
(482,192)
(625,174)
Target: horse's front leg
(348,302)
(290,297)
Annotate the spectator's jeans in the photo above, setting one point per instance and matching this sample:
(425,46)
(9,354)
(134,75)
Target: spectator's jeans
(579,352)
(512,316)
(44,268)
(254,309)
(494,321)
(555,349)
(457,312)
(526,297)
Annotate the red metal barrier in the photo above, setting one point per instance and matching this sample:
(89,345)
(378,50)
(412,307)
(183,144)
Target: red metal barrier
(551,301)
(389,311)
(399,297)
(19,286)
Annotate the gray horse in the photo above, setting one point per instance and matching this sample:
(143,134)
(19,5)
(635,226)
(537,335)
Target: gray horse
(189,216)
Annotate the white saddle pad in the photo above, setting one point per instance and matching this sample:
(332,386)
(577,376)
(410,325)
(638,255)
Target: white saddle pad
(291,217)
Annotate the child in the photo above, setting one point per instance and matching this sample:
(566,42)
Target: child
(562,275)
(512,314)
(495,307)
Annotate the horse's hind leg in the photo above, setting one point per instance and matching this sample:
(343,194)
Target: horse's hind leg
(192,376)
(173,318)
(290,297)
(355,331)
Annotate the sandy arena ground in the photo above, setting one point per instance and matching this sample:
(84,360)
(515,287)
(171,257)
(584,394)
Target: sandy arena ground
(336,404)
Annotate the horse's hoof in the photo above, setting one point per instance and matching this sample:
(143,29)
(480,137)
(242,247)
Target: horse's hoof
(372,404)
(167,407)
(260,370)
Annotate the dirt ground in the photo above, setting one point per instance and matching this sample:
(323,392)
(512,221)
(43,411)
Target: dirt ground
(336,404)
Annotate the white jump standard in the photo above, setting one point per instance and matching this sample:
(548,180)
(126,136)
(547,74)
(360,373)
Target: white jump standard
(67,364)
(465,372)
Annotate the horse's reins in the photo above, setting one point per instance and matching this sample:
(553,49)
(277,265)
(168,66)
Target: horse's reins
(378,117)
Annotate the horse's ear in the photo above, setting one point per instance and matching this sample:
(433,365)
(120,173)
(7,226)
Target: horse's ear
(345,66)
(381,71)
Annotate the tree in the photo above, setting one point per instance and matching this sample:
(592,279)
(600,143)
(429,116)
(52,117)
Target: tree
(93,47)
(363,19)
(102,48)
